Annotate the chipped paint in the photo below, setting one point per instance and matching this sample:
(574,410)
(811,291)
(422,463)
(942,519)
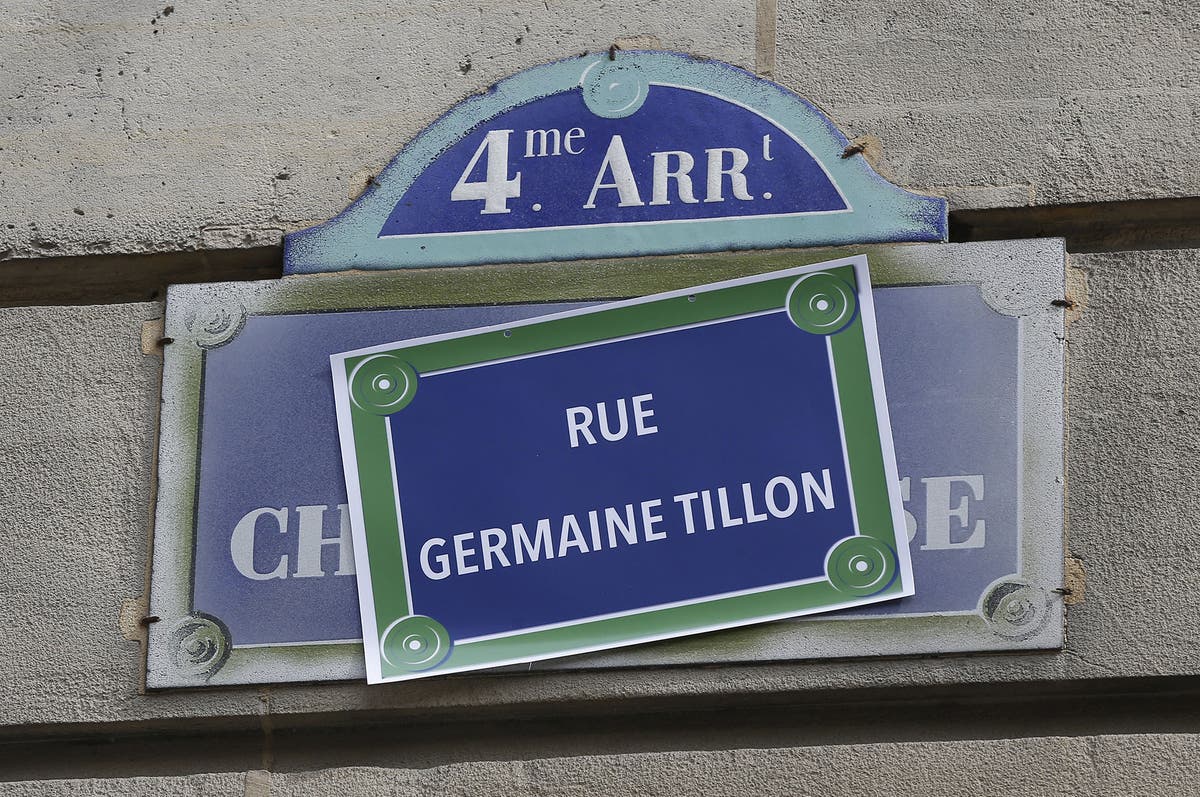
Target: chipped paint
(131,619)
(1074,582)
(152,335)
(871,209)
(1077,293)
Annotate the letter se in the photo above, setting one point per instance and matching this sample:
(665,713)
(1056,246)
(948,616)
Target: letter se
(579,420)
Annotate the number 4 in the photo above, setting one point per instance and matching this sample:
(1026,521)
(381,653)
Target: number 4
(496,189)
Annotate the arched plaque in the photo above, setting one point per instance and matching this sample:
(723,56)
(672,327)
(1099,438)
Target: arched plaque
(629,153)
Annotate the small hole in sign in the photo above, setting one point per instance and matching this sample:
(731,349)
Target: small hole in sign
(508,333)
(692,298)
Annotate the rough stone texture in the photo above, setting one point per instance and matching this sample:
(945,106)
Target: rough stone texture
(77,409)
(77,413)
(144,126)
(220,125)
(1100,766)
(215,785)
(1134,443)
(999,103)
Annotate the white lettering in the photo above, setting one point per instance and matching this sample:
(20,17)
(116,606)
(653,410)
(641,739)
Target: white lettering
(535,549)
(594,528)
(616,161)
(461,552)
(717,171)
(626,525)
(312,542)
(641,413)
(789,487)
(442,559)
(706,501)
(543,137)
(811,488)
(938,513)
(578,421)
(573,134)
(622,428)
(496,188)
(748,500)
(571,536)
(688,521)
(241,544)
(681,176)
(726,520)
(649,519)
(492,542)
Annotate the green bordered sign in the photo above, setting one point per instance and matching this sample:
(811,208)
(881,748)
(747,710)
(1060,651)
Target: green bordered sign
(647,469)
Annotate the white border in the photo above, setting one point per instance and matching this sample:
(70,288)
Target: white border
(866,308)
(362,564)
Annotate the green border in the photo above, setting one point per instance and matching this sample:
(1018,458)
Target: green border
(861,429)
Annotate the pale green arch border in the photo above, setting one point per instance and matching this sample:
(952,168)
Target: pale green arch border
(880,211)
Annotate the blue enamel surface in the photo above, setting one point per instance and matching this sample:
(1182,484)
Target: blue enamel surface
(738,402)
(555,189)
(949,365)
(680,104)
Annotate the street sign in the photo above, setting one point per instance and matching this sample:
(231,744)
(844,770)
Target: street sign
(617,154)
(253,574)
(652,468)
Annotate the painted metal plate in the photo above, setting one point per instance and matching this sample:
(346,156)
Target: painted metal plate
(618,154)
(647,469)
(253,572)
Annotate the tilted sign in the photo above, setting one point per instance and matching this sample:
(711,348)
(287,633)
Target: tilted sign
(662,466)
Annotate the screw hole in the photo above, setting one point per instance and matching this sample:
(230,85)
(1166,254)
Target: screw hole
(692,298)
(508,333)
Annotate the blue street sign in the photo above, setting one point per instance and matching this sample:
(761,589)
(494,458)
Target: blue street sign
(273,557)
(254,572)
(769,173)
(615,155)
(670,465)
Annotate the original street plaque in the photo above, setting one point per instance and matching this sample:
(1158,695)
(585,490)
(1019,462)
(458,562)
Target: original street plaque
(253,572)
(611,155)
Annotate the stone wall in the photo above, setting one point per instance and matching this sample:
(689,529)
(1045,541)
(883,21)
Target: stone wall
(151,128)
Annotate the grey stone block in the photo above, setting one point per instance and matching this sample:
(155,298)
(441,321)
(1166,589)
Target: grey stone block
(1058,102)
(222,124)
(1099,766)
